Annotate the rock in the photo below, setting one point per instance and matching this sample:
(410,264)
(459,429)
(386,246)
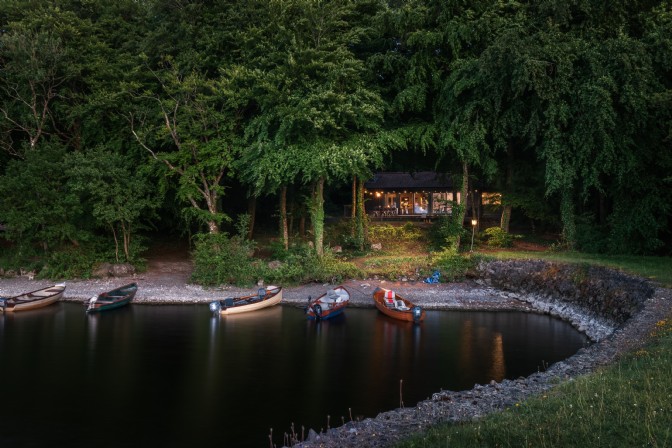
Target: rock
(102,271)
(122,269)
(275,264)
(337,249)
(312,435)
(377,246)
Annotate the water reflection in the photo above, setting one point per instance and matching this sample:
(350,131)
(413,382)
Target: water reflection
(200,376)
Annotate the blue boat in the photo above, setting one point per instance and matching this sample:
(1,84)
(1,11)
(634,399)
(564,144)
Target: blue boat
(328,305)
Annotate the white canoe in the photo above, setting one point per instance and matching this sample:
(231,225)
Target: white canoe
(33,299)
(265,297)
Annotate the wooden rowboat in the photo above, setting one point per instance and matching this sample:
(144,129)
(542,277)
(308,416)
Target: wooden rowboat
(391,304)
(328,305)
(112,299)
(265,297)
(33,299)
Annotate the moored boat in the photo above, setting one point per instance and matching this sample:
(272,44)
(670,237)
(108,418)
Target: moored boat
(265,297)
(31,300)
(391,304)
(110,300)
(328,305)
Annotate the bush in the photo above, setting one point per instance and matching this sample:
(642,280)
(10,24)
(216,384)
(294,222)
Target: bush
(219,259)
(302,265)
(498,237)
(386,232)
(445,231)
(452,265)
(68,261)
(74,262)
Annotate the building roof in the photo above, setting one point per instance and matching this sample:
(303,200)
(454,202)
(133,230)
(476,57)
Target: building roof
(409,181)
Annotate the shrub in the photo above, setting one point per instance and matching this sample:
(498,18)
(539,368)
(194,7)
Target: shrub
(497,237)
(302,265)
(73,262)
(68,261)
(220,259)
(452,265)
(386,232)
(445,231)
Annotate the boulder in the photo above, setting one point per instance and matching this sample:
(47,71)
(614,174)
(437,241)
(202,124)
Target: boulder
(275,264)
(122,269)
(102,271)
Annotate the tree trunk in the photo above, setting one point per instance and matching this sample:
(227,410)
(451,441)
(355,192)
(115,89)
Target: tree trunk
(508,208)
(252,211)
(568,218)
(462,210)
(283,217)
(360,216)
(317,216)
(127,240)
(116,243)
(506,218)
(213,227)
(353,209)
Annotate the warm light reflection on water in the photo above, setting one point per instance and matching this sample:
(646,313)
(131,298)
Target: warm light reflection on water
(227,380)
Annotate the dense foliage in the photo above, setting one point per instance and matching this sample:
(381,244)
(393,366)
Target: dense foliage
(117,116)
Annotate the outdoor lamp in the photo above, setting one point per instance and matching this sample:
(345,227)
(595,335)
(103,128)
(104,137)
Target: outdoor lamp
(473,230)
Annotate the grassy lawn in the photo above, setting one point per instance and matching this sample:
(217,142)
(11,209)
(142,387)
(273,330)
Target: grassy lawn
(627,404)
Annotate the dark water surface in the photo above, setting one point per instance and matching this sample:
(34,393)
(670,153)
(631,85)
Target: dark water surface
(173,376)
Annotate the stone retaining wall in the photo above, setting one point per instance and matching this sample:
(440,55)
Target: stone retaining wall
(596,300)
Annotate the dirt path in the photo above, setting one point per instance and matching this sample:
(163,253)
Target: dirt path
(168,264)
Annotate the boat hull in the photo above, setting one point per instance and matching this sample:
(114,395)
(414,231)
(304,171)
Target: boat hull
(330,314)
(403,315)
(35,299)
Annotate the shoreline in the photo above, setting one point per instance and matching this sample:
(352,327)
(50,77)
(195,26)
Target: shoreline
(387,428)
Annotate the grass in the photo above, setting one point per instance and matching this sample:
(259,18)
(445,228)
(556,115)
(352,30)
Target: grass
(626,404)
(393,267)
(658,269)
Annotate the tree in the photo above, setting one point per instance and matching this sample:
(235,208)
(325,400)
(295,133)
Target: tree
(187,127)
(119,191)
(37,64)
(37,205)
(314,106)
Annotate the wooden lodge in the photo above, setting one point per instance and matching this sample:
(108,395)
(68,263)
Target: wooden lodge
(424,195)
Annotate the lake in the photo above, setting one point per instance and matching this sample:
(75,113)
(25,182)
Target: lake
(174,375)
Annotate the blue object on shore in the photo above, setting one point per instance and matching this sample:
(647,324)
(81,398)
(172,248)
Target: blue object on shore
(434,278)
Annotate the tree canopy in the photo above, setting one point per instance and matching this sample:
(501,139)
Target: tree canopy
(565,105)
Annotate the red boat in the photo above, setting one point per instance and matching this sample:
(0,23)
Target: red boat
(391,304)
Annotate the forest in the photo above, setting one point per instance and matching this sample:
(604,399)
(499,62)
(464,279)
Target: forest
(130,118)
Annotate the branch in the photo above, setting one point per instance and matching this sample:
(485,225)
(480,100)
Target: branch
(142,143)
